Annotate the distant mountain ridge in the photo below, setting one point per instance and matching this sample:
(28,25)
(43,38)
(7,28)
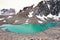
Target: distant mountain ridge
(7,11)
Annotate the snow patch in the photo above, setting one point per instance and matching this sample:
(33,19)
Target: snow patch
(30,14)
(16,21)
(27,21)
(50,16)
(42,18)
(10,17)
(1,18)
(4,21)
(40,21)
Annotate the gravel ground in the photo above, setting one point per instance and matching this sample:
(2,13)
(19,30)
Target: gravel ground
(50,34)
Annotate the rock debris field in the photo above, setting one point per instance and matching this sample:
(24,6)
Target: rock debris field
(50,34)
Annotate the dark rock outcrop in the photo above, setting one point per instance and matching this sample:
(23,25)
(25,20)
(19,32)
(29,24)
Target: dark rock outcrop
(42,8)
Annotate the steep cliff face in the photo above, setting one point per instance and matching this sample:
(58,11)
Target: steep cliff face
(41,9)
(48,7)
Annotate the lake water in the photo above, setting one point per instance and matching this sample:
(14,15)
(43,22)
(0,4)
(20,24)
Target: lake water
(28,28)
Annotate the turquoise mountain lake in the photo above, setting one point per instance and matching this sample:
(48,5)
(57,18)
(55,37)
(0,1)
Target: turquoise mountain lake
(27,28)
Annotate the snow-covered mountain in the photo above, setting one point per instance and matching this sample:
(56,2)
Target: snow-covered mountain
(7,11)
(39,14)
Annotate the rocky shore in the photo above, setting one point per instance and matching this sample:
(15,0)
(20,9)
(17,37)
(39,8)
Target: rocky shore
(50,34)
